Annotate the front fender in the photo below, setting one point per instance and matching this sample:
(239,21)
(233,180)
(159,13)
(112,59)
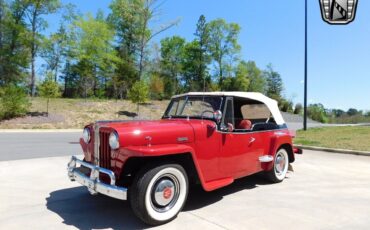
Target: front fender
(156,151)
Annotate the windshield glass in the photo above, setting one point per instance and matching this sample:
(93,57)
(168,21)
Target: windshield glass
(193,107)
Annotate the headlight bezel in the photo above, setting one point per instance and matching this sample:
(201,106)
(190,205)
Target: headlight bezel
(86,135)
(114,140)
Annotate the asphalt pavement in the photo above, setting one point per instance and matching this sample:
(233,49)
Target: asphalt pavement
(27,145)
(326,191)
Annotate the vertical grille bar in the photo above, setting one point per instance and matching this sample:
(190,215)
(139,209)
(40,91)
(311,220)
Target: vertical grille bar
(104,149)
(96,143)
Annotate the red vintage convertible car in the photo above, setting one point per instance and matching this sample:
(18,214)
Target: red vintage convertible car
(207,138)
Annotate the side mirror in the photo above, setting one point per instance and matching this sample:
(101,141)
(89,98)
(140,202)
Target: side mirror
(217,115)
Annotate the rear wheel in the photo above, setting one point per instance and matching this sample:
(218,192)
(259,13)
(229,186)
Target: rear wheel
(280,168)
(158,193)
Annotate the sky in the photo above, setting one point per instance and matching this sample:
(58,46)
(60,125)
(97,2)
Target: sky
(273,32)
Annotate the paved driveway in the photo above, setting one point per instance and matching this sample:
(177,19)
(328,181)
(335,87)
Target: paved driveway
(326,191)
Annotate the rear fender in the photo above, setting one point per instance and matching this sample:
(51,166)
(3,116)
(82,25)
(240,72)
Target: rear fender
(279,140)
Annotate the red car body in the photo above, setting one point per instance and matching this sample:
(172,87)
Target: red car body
(219,157)
(156,160)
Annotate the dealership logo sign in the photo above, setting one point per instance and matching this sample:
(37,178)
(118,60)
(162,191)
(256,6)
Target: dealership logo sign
(338,11)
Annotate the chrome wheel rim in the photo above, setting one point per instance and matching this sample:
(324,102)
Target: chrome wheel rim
(280,163)
(165,193)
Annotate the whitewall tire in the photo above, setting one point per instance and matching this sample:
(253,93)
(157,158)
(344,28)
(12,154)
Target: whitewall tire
(158,193)
(280,166)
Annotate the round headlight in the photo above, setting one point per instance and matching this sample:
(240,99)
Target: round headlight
(113,140)
(86,135)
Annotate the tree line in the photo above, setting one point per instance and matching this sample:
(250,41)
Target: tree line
(105,55)
(115,56)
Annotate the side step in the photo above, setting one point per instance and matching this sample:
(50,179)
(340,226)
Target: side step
(266,158)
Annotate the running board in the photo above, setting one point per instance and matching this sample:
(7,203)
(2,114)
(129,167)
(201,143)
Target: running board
(266,158)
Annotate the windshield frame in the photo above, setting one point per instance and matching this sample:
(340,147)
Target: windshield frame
(173,100)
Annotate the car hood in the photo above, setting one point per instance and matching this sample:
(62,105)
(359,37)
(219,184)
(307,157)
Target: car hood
(165,131)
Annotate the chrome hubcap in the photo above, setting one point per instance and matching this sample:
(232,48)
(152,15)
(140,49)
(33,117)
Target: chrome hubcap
(165,193)
(280,163)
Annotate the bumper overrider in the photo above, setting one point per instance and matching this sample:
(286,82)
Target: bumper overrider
(92,182)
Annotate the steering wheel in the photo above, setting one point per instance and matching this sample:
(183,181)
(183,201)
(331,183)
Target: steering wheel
(207,111)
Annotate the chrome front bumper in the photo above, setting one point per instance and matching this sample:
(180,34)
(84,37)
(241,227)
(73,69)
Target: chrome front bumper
(93,183)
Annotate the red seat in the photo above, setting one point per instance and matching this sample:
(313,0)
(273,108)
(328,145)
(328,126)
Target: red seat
(244,124)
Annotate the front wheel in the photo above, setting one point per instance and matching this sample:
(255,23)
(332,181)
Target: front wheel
(280,168)
(158,193)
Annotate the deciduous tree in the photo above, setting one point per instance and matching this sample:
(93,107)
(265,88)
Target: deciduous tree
(133,21)
(223,44)
(257,82)
(172,55)
(274,83)
(13,42)
(241,77)
(54,50)
(35,11)
(49,89)
(94,52)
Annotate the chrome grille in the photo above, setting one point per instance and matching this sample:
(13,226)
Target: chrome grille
(104,149)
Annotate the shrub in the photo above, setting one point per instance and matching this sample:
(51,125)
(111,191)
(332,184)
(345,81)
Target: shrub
(298,108)
(156,87)
(13,102)
(285,105)
(317,113)
(353,112)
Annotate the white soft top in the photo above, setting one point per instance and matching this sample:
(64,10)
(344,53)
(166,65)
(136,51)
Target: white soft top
(270,103)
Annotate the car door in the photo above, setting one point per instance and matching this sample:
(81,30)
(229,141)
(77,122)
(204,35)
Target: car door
(239,150)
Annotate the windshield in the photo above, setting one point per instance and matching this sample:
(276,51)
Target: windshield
(193,107)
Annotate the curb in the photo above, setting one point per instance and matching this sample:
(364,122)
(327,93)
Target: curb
(342,151)
(40,130)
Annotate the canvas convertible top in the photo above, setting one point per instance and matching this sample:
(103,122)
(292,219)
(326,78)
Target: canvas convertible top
(270,103)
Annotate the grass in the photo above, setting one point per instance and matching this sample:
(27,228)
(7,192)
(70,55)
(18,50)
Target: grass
(342,137)
(76,113)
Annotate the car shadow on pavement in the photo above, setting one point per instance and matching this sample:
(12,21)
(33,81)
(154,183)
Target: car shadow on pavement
(84,211)
(198,198)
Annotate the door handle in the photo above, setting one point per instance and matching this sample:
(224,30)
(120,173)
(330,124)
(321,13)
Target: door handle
(251,140)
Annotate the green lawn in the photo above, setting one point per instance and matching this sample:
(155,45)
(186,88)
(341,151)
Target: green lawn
(345,137)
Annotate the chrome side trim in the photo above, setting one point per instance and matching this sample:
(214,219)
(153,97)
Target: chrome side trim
(182,139)
(93,182)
